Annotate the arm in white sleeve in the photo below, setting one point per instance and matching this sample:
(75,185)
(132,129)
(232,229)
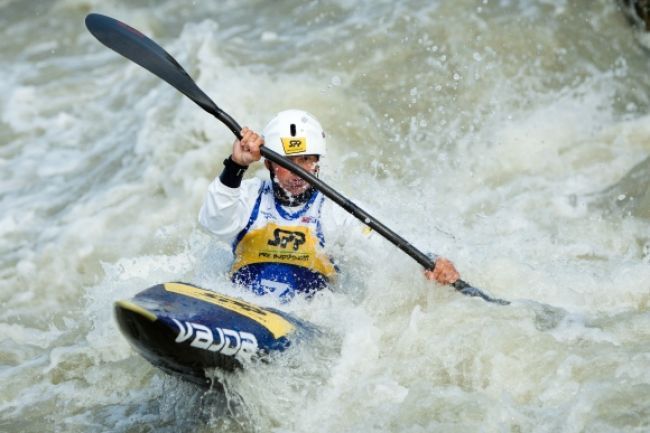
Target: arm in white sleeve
(339,224)
(225,211)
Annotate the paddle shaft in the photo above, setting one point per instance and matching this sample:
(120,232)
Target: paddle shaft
(138,48)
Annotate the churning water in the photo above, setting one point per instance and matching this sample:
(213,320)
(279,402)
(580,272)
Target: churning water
(512,136)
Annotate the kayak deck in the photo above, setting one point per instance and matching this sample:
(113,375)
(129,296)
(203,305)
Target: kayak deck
(185,330)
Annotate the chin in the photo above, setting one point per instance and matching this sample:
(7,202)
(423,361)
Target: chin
(296,192)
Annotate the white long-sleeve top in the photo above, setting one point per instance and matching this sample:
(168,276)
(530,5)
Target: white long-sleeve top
(226,211)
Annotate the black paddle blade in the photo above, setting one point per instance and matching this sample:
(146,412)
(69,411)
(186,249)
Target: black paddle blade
(138,48)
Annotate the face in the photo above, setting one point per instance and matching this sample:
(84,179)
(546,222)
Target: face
(290,182)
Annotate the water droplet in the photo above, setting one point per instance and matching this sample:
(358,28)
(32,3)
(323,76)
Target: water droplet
(269,37)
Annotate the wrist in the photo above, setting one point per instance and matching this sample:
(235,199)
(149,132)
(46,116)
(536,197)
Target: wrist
(232,173)
(240,164)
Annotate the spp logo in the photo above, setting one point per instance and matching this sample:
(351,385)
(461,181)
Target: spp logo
(283,238)
(294,144)
(239,344)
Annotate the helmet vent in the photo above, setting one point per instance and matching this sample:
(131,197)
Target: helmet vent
(292,128)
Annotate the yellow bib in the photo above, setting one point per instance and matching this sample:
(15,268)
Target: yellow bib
(290,244)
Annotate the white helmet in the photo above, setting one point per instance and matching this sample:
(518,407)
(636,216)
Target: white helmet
(294,132)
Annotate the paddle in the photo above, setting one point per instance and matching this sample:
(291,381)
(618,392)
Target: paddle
(138,48)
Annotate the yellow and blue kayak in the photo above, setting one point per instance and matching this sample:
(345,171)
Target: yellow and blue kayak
(185,330)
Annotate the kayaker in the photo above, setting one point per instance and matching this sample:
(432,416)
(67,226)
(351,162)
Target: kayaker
(279,228)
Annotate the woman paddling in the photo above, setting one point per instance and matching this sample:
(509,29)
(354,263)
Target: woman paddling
(279,227)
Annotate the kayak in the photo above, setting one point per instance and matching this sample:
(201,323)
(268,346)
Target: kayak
(187,331)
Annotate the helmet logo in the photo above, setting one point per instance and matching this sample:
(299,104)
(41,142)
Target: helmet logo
(293,145)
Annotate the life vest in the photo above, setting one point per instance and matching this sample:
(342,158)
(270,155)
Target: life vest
(281,252)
